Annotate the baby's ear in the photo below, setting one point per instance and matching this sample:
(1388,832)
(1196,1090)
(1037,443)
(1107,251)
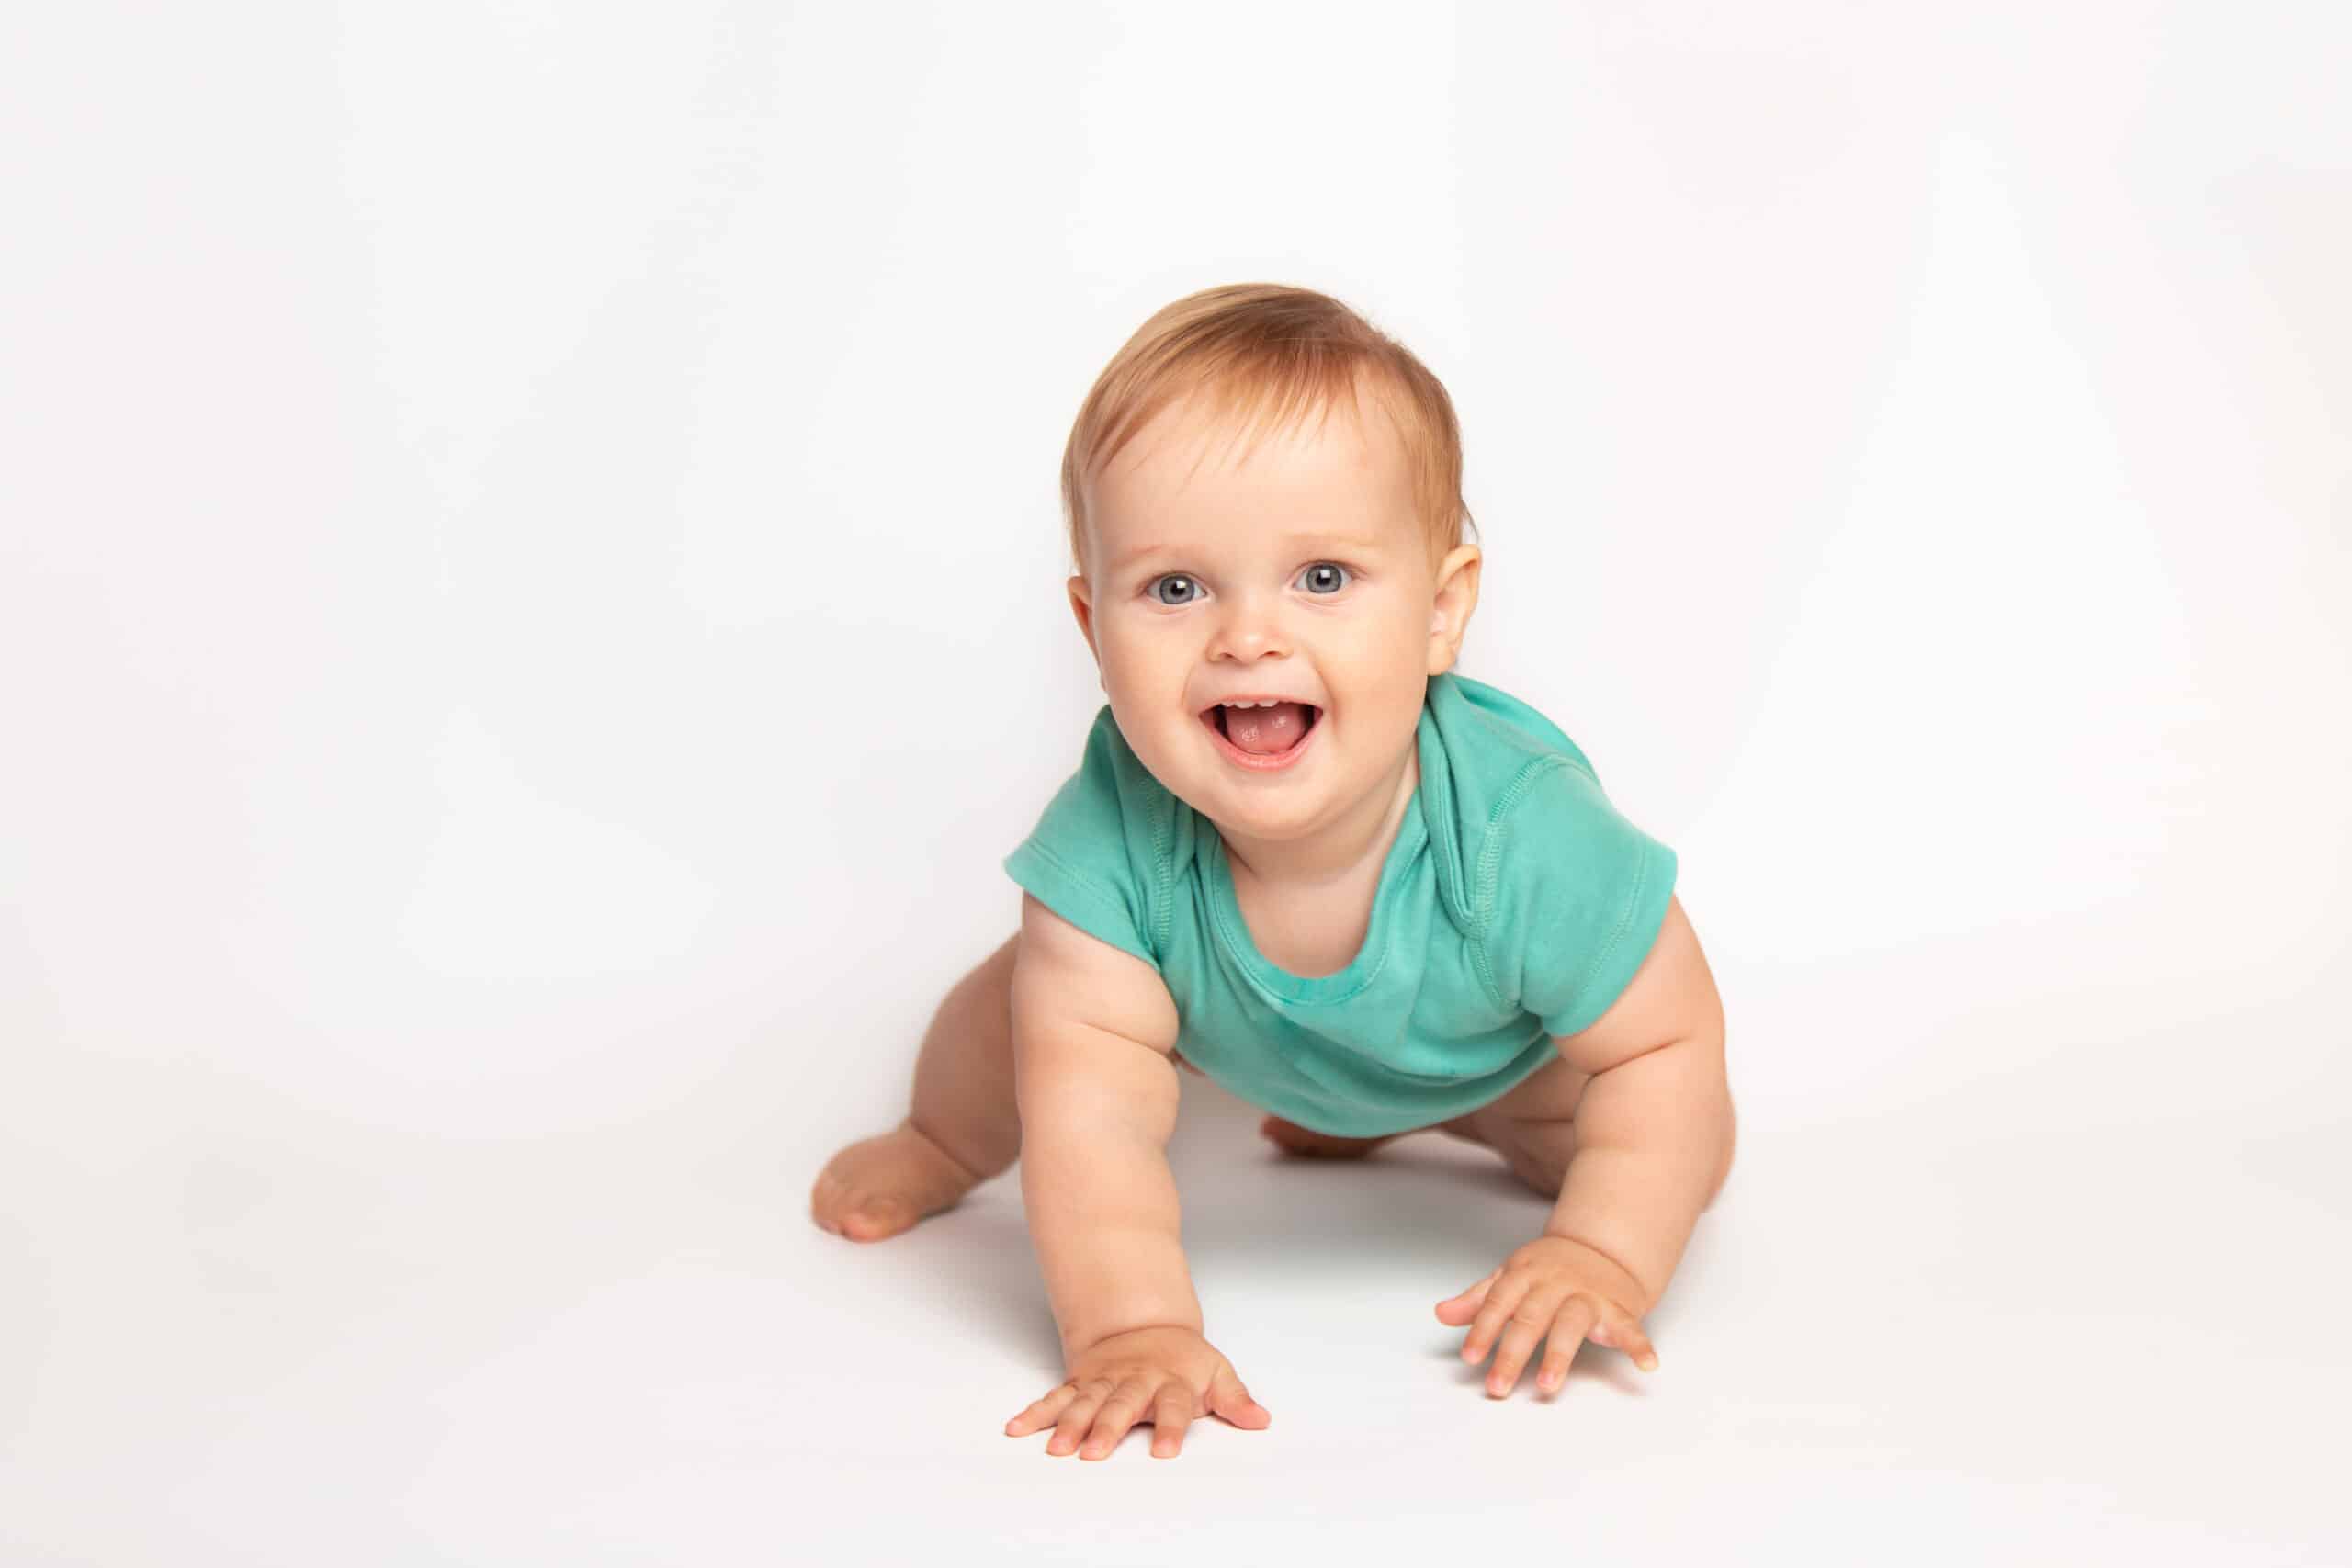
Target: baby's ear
(1457,597)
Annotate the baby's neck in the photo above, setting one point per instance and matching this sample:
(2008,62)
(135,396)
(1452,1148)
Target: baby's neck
(1348,849)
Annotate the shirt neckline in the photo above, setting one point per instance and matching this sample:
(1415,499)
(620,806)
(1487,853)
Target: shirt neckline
(1370,958)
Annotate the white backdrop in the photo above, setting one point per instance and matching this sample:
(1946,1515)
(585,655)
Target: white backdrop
(531,610)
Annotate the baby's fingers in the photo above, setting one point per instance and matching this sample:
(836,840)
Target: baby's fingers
(1616,1328)
(1040,1412)
(1502,1300)
(1118,1414)
(1569,1329)
(1170,1414)
(1078,1415)
(1458,1308)
(1625,1332)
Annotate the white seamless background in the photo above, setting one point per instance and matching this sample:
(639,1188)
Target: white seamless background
(531,610)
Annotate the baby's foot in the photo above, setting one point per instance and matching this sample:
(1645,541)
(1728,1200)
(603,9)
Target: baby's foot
(877,1187)
(1299,1140)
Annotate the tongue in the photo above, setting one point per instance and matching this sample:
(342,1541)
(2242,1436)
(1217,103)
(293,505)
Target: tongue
(1276,728)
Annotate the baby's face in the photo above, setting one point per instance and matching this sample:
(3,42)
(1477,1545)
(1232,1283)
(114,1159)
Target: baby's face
(1302,574)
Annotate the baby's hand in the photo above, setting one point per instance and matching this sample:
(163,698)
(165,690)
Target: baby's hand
(1168,1371)
(1551,1286)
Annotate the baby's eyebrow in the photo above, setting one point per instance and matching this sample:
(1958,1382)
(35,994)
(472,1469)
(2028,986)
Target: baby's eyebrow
(1338,541)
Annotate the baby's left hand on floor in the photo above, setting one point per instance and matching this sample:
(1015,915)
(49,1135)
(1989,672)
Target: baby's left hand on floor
(1550,1287)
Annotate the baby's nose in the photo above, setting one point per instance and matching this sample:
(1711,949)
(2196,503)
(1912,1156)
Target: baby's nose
(1250,629)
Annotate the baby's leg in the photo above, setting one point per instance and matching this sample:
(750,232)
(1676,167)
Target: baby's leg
(1533,1127)
(962,1128)
(1298,1140)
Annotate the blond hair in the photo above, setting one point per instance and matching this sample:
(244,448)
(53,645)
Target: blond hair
(1268,352)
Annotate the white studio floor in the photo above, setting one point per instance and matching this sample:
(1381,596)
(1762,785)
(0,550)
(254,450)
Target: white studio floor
(1976,1322)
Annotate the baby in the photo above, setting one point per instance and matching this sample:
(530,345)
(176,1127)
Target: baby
(1363,892)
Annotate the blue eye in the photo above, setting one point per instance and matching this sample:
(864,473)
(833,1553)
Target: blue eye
(1191,588)
(1324,578)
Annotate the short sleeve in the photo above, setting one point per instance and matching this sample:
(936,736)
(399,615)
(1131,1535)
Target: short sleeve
(1095,857)
(1577,896)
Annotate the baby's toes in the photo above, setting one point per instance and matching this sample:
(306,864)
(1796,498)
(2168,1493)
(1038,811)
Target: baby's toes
(880,1187)
(856,1208)
(876,1215)
(827,1201)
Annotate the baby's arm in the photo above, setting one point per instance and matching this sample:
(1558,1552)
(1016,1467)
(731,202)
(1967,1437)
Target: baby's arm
(1654,1129)
(1652,1144)
(1093,1031)
(1093,1027)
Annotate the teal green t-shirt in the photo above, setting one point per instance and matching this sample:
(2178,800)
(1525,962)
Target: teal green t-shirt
(1514,906)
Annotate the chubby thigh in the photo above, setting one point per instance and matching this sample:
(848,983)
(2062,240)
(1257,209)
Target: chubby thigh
(1551,1093)
(1531,1125)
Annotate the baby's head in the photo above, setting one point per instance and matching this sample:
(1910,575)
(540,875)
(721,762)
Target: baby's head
(1265,497)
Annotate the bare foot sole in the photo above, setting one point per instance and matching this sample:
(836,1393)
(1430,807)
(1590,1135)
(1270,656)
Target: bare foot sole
(877,1187)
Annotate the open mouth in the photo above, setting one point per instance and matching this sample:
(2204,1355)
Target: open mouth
(1262,737)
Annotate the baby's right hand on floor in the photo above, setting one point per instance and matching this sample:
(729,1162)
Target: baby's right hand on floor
(1166,1374)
